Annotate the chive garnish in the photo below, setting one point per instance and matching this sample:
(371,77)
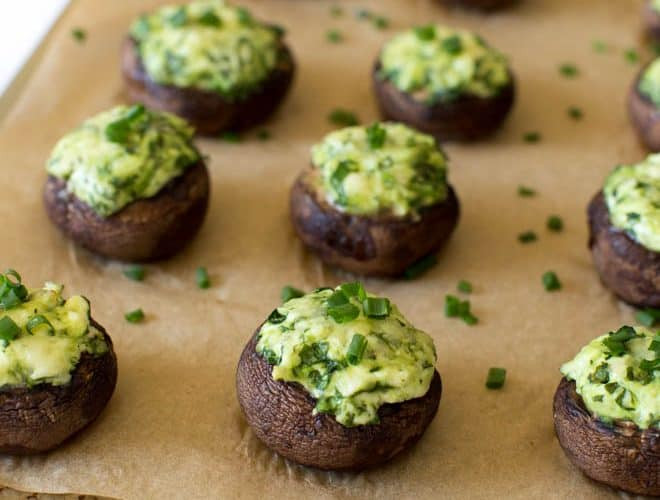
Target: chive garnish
(343,117)
(8,330)
(202,278)
(575,113)
(376,136)
(452,45)
(12,291)
(334,36)
(338,298)
(263,134)
(230,136)
(135,316)
(288,292)
(276,317)
(569,70)
(425,33)
(599,46)
(354,289)
(420,267)
(616,341)
(648,317)
(356,349)
(527,237)
(376,307)
(343,313)
(532,137)
(135,272)
(179,17)
(39,320)
(119,130)
(550,281)
(631,55)
(526,192)
(555,223)
(79,34)
(209,18)
(496,378)
(457,308)
(336,11)
(362,14)
(464,286)
(381,22)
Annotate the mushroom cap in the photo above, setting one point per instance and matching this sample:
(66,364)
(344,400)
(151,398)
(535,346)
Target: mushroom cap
(627,268)
(466,118)
(38,419)
(374,245)
(209,112)
(280,414)
(644,115)
(144,230)
(620,455)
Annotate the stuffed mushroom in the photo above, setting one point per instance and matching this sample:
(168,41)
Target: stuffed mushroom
(445,82)
(644,105)
(607,410)
(209,62)
(338,379)
(651,17)
(375,199)
(57,366)
(624,223)
(128,184)
(486,5)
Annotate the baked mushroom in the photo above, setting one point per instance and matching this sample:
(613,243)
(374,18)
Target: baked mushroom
(607,410)
(445,82)
(338,380)
(486,5)
(208,62)
(651,18)
(644,105)
(57,366)
(128,184)
(375,200)
(624,227)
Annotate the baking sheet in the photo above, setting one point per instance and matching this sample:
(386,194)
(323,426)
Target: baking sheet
(173,427)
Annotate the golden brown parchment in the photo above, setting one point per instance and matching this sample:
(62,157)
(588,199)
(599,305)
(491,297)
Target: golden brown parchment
(173,427)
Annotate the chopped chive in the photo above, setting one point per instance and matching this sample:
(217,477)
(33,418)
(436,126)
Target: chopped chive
(381,22)
(532,137)
(631,55)
(420,267)
(202,278)
(527,237)
(425,33)
(569,70)
(343,117)
(263,134)
(526,192)
(230,136)
(648,316)
(8,330)
(452,45)
(550,281)
(79,35)
(362,14)
(464,286)
(338,298)
(209,18)
(38,320)
(135,316)
(496,378)
(336,11)
(343,313)
(334,36)
(135,272)
(616,341)
(119,130)
(376,136)
(356,349)
(555,223)
(276,317)
(354,289)
(288,292)
(575,113)
(456,308)
(599,46)
(376,307)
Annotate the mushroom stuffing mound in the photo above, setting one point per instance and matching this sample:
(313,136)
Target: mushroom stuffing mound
(445,82)
(375,200)
(624,223)
(607,410)
(209,62)
(128,184)
(644,105)
(338,379)
(57,366)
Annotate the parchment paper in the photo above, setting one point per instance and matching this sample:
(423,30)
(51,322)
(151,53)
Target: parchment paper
(173,427)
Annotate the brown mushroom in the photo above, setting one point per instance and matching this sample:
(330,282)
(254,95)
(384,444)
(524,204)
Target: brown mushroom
(620,454)
(40,418)
(280,414)
(465,118)
(645,115)
(627,268)
(146,229)
(651,20)
(374,245)
(486,5)
(209,112)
